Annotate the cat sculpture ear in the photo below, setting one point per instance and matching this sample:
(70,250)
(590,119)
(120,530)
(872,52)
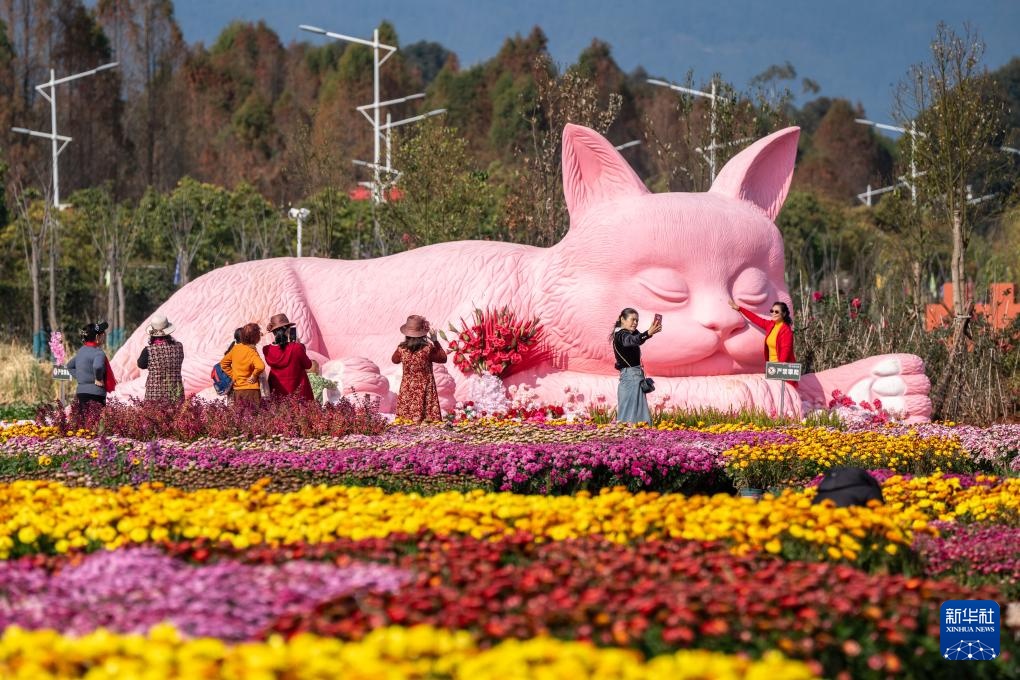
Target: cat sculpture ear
(761,173)
(594,172)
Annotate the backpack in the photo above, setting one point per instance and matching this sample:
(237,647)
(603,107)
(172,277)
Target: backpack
(222,382)
(848,486)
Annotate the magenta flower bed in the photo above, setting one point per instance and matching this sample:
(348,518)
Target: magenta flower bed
(130,590)
(974,553)
(659,460)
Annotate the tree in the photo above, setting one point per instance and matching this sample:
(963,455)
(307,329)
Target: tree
(185,218)
(681,129)
(843,156)
(535,210)
(443,197)
(258,230)
(113,229)
(33,221)
(149,46)
(959,126)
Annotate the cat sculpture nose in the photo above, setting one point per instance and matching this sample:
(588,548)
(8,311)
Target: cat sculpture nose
(724,321)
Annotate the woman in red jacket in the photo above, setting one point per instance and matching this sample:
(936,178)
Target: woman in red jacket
(778,331)
(288,360)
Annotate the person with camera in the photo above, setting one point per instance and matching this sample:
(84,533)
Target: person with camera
(418,398)
(163,357)
(288,361)
(90,367)
(631,399)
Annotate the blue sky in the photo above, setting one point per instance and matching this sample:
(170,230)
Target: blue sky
(858,50)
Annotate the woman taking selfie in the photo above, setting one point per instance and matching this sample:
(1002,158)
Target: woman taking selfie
(287,360)
(631,399)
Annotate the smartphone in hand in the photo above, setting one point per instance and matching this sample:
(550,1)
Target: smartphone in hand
(657,319)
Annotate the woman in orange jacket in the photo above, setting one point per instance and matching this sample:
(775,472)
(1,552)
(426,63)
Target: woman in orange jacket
(244,366)
(778,331)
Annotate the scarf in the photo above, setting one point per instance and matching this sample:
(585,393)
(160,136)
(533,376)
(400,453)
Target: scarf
(109,381)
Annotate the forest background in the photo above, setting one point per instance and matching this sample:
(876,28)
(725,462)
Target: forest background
(187,157)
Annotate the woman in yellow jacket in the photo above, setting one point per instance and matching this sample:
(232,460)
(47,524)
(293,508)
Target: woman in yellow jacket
(244,366)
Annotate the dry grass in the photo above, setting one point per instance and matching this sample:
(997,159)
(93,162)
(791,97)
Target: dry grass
(23,379)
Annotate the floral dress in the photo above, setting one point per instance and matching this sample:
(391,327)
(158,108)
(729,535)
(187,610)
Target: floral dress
(418,398)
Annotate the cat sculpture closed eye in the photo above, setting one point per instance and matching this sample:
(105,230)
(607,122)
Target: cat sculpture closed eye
(683,255)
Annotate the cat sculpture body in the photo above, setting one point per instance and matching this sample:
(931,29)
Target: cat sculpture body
(683,255)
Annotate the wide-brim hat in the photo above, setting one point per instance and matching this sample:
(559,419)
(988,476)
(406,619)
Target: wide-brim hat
(415,327)
(160,325)
(278,321)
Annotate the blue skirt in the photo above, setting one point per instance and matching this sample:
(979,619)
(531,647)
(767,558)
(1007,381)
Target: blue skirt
(631,402)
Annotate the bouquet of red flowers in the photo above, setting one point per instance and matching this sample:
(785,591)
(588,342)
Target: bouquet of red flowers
(497,342)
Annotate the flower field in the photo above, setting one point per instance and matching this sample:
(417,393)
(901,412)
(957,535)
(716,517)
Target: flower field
(488,549)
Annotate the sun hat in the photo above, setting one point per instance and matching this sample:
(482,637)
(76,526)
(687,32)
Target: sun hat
(415,327)
(278,321)
(160,325)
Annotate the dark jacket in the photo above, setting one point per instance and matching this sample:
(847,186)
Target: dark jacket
(627,347)
(848,486)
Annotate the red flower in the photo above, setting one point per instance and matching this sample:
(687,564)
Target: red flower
(817,296)
(856,303)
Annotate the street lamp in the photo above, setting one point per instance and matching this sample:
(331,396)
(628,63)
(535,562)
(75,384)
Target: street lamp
(299,214)
(54,138)
(914,134)
(708,95)
(376,63)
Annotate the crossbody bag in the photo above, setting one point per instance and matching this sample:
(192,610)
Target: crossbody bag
(647,384)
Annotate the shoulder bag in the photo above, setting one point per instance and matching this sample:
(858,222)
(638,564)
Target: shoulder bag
(647,384)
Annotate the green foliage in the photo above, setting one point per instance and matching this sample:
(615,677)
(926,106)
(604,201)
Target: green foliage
(444,198)
(253,120)
(228,36)
(337,226)
(428,57)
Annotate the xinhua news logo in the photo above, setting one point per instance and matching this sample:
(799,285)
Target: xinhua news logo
(969,630)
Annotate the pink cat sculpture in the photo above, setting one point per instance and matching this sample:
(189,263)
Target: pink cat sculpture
(683,255)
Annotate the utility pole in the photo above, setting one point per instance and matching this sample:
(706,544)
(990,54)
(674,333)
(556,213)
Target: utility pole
(58,141)
(378,59)
(914,134)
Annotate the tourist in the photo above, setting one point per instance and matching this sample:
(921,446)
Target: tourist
(778,330)
(631,402)
(91,368)
(244,366)
(418,398)
(288,361)
(163,357)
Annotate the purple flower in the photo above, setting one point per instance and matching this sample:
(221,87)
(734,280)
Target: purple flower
(132,589)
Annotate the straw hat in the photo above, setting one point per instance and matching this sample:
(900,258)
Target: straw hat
(160,325)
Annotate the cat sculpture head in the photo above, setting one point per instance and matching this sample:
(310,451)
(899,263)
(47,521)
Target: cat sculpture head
(682,255)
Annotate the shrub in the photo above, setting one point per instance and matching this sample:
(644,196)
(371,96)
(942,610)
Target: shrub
(197,418)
